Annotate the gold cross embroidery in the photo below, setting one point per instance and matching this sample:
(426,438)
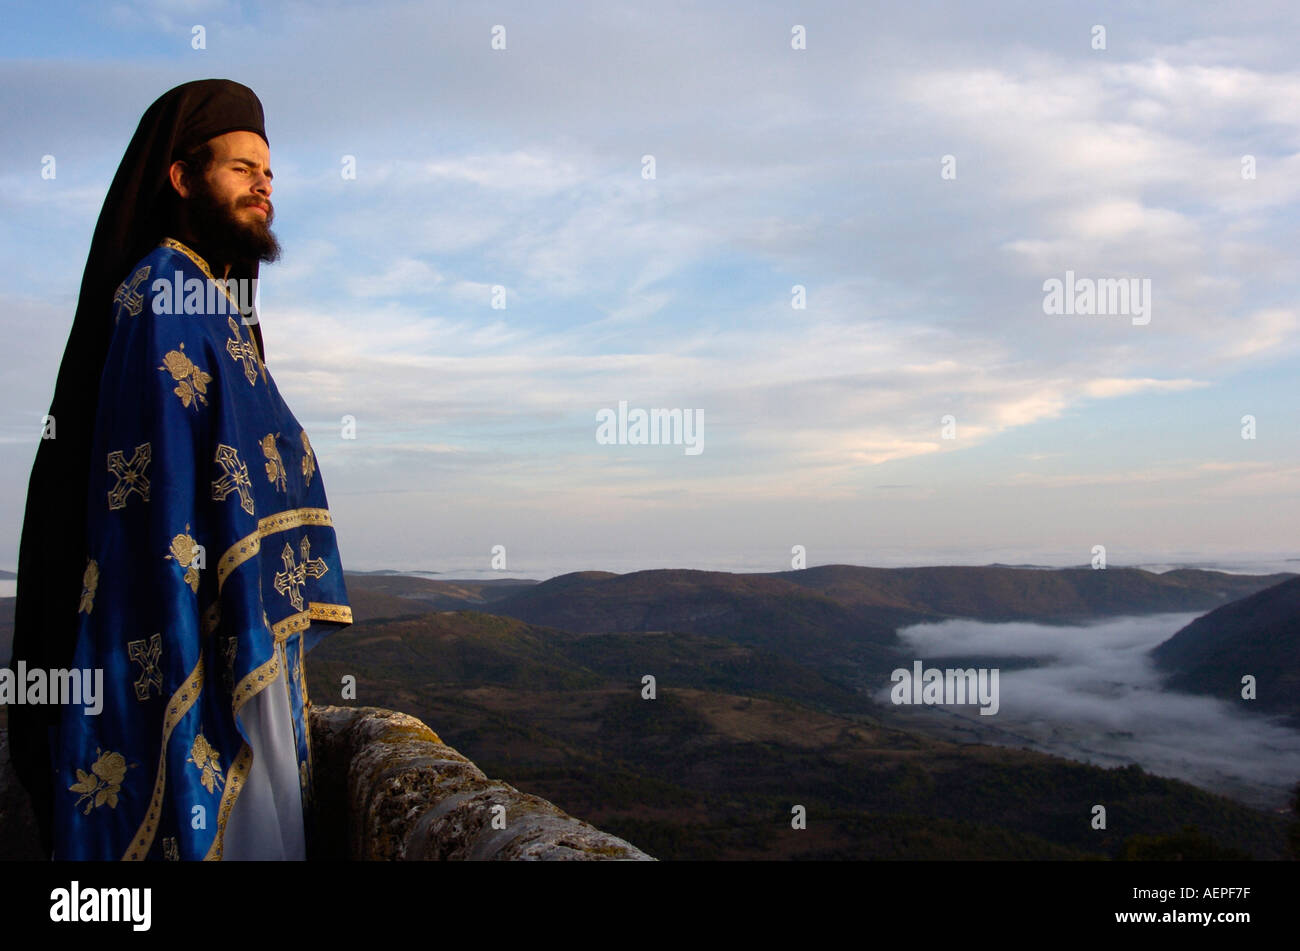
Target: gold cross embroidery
(243,351)
(295,576)
(130,475)
(235,479)
(147,654)
(128,293)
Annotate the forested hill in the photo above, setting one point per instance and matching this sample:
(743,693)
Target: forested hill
(872,601)
(1000,593)
(1257,635)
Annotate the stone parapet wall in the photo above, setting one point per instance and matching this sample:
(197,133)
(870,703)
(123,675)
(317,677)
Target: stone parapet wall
(403,794)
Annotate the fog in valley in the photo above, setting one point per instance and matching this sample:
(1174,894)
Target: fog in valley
(1096,697)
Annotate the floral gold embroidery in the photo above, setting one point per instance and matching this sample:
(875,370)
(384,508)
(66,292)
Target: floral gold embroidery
(103,782)
(89,582)
(147,654)
(235,478)
(185,551)
(208,762)
(275,471)
(308,458)
(130,475)
(192,382)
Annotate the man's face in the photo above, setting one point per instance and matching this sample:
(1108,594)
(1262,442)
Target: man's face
(230,203)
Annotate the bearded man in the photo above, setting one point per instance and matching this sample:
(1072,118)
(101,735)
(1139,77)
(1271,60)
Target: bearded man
(177,534)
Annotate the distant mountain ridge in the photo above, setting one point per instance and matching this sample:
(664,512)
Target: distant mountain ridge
(1000,593)
(849,614)
(851,611)
(842,618)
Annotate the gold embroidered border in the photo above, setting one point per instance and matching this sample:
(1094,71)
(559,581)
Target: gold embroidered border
(234,784)
(316,611)
(255,681)
(320,611)
(182,700)
(201,264)
(193,256)
(251,544)
(293,624)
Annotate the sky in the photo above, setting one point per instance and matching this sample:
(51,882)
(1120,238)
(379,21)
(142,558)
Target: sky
(647,188)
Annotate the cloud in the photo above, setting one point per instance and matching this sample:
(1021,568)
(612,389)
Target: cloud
(1112,387)
(522,168)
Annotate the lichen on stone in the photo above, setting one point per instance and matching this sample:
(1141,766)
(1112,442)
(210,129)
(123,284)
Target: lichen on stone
(409,796)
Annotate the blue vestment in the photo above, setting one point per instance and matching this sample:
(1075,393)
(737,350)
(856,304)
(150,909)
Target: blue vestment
(211,569)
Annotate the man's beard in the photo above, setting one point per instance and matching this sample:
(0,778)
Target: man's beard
(225,238)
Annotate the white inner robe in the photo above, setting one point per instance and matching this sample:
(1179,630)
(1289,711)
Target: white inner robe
(266,821)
